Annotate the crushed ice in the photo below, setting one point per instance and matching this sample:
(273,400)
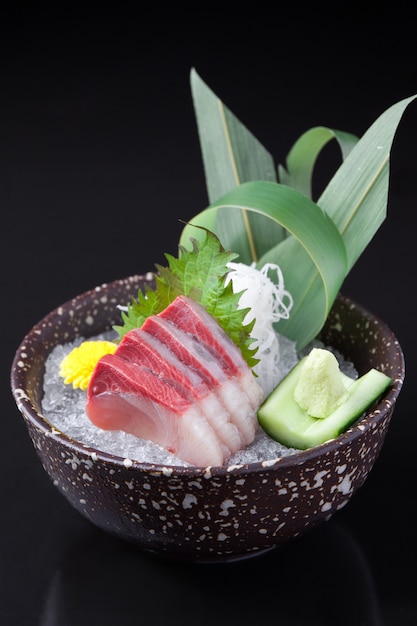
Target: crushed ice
(64,408)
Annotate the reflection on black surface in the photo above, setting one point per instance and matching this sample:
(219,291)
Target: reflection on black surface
(322,578)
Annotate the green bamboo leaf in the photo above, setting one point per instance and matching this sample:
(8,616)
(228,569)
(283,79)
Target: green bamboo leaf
(302,157)
(322,253)
(355,200)
(357,195)
(232,156)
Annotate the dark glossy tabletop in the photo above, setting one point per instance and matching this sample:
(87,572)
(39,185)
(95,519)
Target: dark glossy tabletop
(99,160)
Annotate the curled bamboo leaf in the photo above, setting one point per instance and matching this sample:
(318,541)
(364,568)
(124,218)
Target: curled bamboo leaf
(302,157)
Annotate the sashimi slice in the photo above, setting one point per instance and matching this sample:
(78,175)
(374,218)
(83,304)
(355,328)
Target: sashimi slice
(151,409)
(115,375)
(243,414)
(177,388)
(148,351)
(230,390)
(192,318)
(193,442)
(142,348)
(219,418)
(185,346)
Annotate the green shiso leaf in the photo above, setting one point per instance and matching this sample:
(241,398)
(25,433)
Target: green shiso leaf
(200,273)
(355,201)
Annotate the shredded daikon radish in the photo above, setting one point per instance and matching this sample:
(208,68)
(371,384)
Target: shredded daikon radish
(268,301)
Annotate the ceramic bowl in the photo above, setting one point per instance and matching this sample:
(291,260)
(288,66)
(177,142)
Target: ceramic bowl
(214,513)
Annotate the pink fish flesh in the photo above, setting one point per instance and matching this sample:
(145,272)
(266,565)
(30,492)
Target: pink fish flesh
(180,382)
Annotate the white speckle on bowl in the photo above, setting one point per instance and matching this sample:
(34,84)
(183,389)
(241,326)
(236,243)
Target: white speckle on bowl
(346,485)
(195,483)
(225,505)
(188,501)
(74,461)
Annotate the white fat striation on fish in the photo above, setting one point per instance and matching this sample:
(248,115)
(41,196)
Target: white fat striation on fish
(176,380)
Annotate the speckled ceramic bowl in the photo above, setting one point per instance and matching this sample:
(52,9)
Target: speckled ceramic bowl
(205,513)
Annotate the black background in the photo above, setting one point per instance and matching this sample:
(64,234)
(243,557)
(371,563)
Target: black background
(99,160)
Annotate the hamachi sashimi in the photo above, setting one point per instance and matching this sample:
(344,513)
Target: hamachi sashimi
(180,382)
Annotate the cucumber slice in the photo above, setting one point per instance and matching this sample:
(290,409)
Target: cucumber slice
(283,419)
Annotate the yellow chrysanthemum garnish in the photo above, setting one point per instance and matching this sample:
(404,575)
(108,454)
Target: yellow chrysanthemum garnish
(78,366)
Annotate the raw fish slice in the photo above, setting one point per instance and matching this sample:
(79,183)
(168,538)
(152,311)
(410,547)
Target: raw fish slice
(133,378)
(148,351)
(149,420)
(243,415)
(222,423)
(115,375)
(192,318)
(186,348)
(229,390)
(144,349)
(165,384)
(151,409)
(251,388)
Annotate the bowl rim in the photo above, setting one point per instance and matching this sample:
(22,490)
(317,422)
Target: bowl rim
(42,425)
